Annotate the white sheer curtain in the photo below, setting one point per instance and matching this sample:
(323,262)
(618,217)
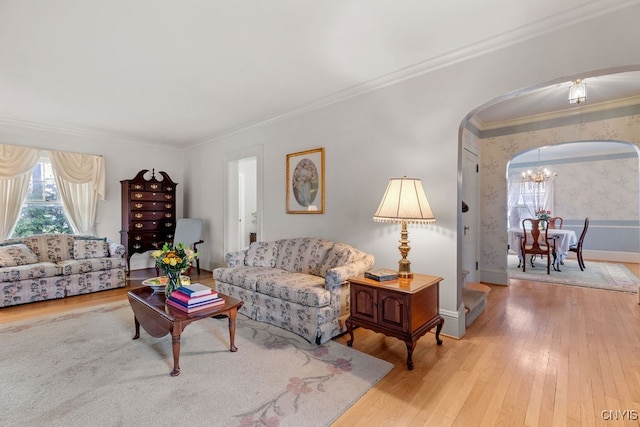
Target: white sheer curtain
(16,164)
(526,198)
(80,179)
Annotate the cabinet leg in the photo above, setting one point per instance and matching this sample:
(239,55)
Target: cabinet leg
(410,347)
(350,330)
(438,329)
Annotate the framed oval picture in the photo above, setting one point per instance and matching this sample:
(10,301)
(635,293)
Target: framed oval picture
(305,182)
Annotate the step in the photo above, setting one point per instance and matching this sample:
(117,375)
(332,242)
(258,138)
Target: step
(474,302)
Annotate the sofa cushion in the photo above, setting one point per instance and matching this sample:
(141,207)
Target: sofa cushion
(81,266)
(90,248)
(302,255)
(15,255)
(246,277)
(304,289)
(52,247)
(262,254)
(30,271)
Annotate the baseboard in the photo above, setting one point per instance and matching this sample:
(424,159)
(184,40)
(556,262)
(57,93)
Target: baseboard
(610,256)
(453,322)
(494,277)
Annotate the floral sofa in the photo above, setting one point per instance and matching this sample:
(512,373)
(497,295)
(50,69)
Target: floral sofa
(297,284)
(49,266)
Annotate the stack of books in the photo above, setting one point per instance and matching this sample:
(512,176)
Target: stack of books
(194,297)
(381,275)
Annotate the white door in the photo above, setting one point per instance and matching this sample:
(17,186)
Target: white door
(471,217)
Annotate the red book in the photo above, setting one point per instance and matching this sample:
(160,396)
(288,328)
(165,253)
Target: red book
(193,309)
(183,297)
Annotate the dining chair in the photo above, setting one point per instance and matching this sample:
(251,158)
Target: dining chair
(577,248)
(532,244)
(555,222)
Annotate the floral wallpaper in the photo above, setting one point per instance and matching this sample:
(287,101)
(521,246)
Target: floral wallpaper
(618,202)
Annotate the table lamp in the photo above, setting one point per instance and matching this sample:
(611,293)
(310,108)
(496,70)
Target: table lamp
(404,202)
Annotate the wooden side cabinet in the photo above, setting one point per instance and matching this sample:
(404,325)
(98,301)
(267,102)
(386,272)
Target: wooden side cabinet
(403,308)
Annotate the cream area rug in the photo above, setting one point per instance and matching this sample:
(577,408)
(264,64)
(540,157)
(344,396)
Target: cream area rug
(599,275)
(84,369)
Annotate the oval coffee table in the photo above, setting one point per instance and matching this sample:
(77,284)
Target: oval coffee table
(160,319)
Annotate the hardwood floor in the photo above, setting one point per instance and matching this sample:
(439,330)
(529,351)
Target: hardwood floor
(539,355)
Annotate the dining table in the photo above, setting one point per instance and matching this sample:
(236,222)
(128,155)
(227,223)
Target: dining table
(563,240)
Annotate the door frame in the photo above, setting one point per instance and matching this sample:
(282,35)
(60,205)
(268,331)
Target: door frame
(231,161)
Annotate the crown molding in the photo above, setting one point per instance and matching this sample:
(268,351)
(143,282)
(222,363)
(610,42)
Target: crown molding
(74,131)
(554,115)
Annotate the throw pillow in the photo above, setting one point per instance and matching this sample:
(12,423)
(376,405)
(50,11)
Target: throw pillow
(18,254)
(84,249)
(262,254)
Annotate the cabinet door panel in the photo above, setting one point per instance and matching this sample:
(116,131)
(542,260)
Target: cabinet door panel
(363,303)
(394,309)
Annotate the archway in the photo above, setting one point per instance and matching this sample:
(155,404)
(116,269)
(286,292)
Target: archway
(497,146)
(594,179)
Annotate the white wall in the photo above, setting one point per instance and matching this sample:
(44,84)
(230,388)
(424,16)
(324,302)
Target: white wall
(408,128)
(124,159)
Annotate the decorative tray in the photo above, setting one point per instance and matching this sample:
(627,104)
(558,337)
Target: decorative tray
(158,284)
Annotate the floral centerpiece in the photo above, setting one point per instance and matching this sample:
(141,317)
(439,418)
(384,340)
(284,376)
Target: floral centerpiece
(173,260)
(543,215)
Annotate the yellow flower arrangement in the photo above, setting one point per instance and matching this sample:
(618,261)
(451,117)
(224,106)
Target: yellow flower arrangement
(173,260)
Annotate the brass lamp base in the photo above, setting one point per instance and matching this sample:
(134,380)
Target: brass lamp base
(404,265)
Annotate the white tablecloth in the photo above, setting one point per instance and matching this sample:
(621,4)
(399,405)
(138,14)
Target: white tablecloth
(564,239)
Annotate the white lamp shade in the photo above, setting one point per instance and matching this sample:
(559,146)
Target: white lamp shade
(404,200)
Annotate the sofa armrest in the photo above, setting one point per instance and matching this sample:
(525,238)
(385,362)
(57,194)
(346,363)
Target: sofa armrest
(235,259)
(338,275)
(116,250)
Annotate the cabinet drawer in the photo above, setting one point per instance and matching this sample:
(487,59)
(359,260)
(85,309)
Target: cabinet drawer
(151,215)
(151,225)
(151,206)
(149,241)
(151,196)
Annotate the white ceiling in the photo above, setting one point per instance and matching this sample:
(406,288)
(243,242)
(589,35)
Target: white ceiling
(181,72)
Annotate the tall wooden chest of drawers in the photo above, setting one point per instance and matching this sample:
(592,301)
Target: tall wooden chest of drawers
(148,213)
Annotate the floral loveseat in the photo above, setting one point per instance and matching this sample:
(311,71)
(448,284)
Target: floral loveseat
(49,266)
(297,284)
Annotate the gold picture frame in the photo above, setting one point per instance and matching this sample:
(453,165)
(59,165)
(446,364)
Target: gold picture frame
(305,182)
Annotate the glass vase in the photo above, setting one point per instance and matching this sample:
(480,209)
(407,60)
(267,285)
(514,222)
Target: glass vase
(173,282)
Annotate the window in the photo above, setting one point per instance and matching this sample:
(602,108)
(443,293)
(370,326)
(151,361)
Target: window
(525,198)
(42,211)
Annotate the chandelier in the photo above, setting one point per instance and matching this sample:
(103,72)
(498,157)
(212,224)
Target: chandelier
(577,92)
(539,176)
